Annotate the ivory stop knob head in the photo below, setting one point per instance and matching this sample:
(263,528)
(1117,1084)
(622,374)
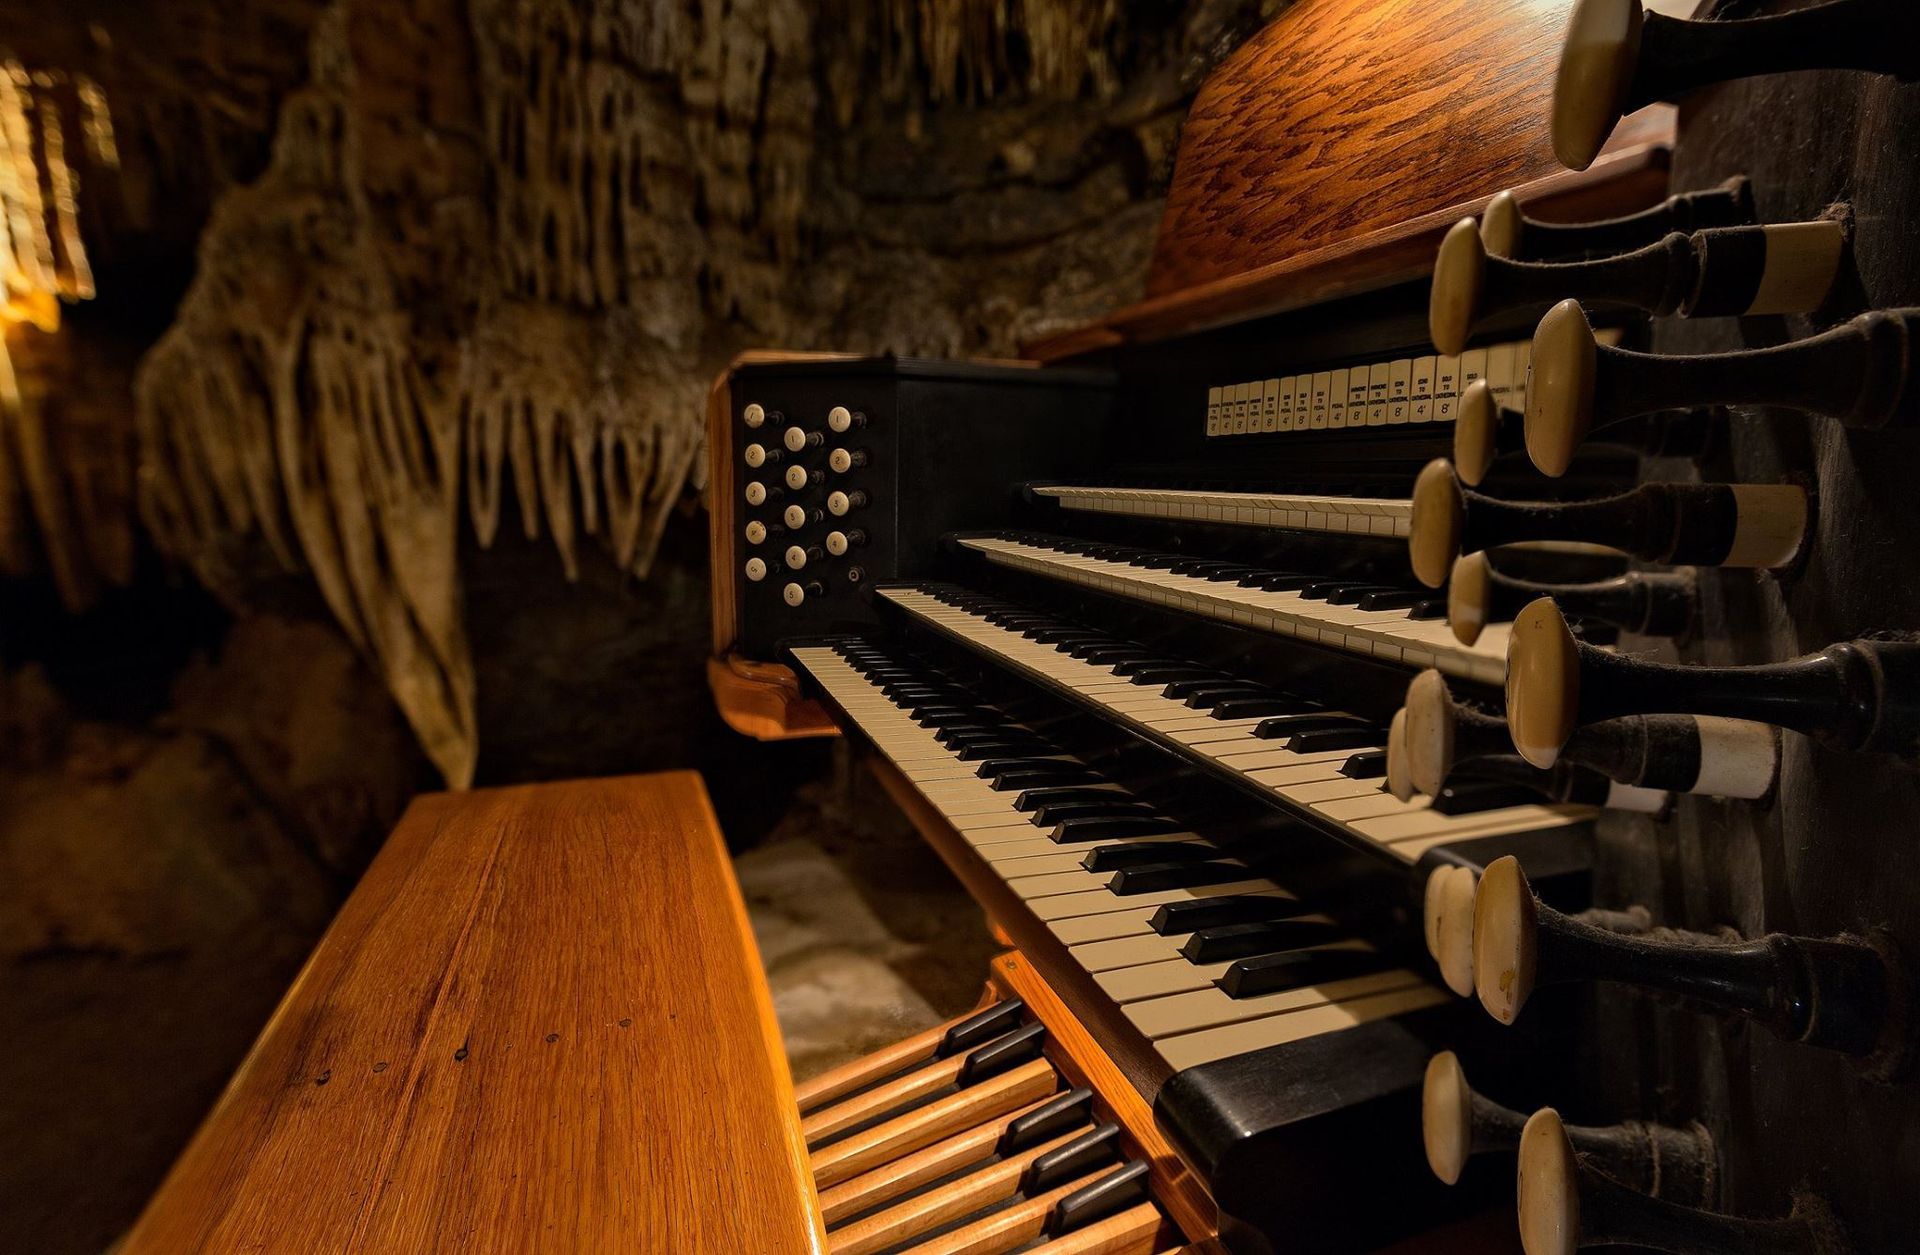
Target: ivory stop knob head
(1564,364)
(1453,930)
(1399,777)
(1597,63)
(1469,593)
(839,418)
(1476,433)
(796,557)
(756,532)
(756,493)
(1501,225)
(795,517)
(840,461)
(838,503)
(754,415)
(1446,1117)
(1543,682)
(1549,1202)
(793,594)
(795,439)
(1457,272)
(1439,516)
(796,477)
(837,544)
(1505,939)
(756,570)
(1429,732)
(755,455)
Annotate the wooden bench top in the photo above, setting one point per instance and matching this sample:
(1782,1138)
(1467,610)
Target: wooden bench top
(539,1023)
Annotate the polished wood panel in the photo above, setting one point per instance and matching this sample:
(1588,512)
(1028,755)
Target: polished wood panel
(1139,1230)
(1631,176)
(538,1023)
(1345,116)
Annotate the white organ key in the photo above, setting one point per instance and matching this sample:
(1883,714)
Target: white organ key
(1192,1049)
(1403,830)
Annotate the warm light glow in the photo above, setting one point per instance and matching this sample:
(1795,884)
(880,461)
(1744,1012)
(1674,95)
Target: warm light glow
(43,259)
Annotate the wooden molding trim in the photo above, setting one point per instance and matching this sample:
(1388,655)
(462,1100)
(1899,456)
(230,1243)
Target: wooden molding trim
(762,700)
(1080,1058)
(504,1043)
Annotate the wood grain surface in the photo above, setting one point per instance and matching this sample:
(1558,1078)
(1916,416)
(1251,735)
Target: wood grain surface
(539,1023)
(1344,116)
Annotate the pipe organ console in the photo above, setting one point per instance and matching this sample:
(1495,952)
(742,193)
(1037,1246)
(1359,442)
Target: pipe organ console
(1272,740)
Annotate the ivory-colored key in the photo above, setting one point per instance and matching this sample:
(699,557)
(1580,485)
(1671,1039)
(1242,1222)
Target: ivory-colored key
(1192,1049)
(1210,1007)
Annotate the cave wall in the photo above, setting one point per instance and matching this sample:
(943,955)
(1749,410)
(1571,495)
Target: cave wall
(374,462)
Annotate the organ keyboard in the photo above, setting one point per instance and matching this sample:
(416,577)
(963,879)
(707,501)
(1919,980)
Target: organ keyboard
(1150,638)
(1144,692)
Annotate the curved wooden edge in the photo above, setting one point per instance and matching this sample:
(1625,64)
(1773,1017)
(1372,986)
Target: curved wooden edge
(1083,1061)
(504,1041)
(1627,178)
(762,700)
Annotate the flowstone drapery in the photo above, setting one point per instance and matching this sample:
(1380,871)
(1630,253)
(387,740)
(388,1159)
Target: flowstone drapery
(500,246)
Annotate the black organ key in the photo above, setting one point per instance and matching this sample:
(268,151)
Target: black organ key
(1351,594)
(1048,795)
(1107,858)
(1097,1146)
(1055,1118)
(1121,808)
(1072,831)
(1244,940)
(1255,707)
(1295,969)
(1336,739)
(1392,599)
(1468,797)
(1175,918)
(1153,877)
(1298,721)
(1366,765)
(1120,1189)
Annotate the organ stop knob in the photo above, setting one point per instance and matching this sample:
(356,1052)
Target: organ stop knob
(1617,57)
(1507,231)
(1859,374)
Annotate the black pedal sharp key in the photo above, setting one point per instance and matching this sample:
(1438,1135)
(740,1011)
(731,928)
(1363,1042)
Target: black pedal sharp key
(1097,1147)
(1296,969)
(1020,1046)
(1107,858)
(1060,1115)
(981,1026)
(1120,1189)
(1153,877)
(1072,831)
(1175,918)
(1366,765)
(1239,941)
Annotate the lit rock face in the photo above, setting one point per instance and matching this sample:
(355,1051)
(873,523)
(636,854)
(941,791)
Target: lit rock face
(497,249)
